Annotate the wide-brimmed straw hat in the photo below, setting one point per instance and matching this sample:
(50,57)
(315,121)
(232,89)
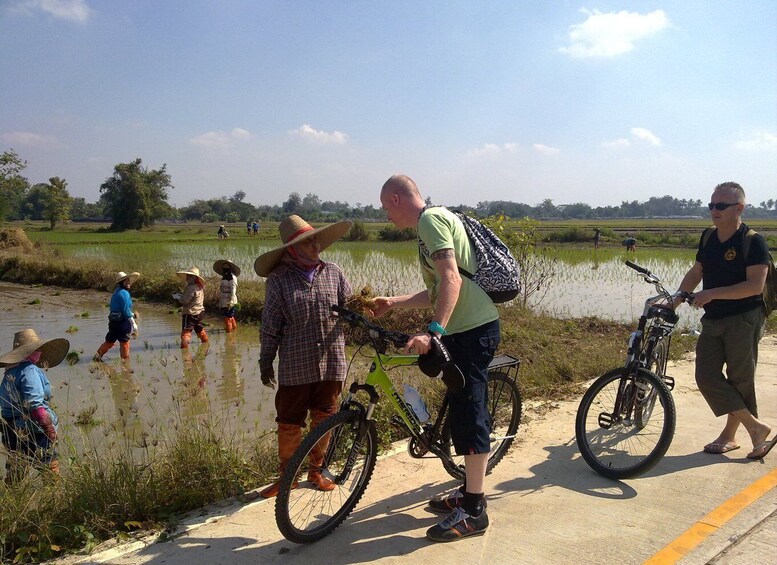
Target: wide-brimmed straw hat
(194,271)
(121,275)
(219,265)
(294,230)
(26,342)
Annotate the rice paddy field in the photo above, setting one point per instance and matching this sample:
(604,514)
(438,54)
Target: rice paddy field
(587,282)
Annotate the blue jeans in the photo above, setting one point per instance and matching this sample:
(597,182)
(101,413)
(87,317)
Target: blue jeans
(470,421)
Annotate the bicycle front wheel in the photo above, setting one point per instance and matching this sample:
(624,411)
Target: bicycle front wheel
(625,423)
(305,514)
(504,410)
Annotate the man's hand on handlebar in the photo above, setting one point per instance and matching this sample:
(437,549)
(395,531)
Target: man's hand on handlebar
(418,344)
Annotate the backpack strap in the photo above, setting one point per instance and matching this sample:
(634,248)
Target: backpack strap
(705,237)
(746,242)
(463,272)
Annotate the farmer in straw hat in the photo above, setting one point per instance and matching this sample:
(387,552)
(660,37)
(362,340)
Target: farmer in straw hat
(121,319)
(192,301)
(28,424)
(297,325)
(227,291)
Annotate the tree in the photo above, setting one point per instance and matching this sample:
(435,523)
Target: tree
(57,202)
(293,204)
(13,185)
(537,264)
(33,206)
(135,196)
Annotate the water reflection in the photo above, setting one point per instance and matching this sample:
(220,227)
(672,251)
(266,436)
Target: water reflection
(125,392)
(231,385)
(193,392)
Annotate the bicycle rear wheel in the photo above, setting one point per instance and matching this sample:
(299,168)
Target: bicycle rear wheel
(306,514)
(504,408)
(625,423)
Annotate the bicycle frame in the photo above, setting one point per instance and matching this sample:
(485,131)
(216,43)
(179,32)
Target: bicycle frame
(638,356)
(378,378)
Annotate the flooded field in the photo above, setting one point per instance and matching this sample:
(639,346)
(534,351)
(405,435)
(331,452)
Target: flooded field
(585,284)
(161,386)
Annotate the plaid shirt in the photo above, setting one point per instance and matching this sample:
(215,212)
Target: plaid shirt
(297,324)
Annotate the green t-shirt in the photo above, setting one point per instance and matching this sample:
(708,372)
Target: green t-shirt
(439,228)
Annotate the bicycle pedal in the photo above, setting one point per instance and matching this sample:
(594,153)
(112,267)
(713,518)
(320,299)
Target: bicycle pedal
(668,381)
(605,420)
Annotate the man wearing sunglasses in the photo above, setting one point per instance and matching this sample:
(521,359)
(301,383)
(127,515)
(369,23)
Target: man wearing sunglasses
(733,319)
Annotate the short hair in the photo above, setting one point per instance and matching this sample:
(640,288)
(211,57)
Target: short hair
(733,187)
(402,185)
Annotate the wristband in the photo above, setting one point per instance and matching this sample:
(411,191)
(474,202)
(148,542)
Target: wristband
(435,327)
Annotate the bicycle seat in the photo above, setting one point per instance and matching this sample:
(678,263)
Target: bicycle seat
(439,360)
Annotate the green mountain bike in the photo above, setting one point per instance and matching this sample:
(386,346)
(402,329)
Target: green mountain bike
(305,514)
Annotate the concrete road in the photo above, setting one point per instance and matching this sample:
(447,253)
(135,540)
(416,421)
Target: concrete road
(545,504)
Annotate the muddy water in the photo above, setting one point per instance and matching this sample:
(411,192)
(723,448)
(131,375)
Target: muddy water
(160,387)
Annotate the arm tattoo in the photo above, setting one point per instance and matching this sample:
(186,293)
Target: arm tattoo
(442,254)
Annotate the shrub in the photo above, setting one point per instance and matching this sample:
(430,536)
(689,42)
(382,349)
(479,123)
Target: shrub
(390,233)
(357,232)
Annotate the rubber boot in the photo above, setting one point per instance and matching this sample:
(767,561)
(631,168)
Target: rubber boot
(186,337)
(203,336)
(124,349)
(316,455)
(289,438)
(227,325)
(233,322)
(54,469)
(102,350)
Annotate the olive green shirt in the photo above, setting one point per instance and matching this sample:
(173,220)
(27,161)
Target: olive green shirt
(439,228)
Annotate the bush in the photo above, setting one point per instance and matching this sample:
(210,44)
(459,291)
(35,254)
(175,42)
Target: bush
(357,232)
(391,233)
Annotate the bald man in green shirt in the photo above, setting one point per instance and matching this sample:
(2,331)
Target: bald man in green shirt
(467,322)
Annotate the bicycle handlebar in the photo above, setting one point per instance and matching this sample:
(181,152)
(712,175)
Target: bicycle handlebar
(637,268)
(376,332)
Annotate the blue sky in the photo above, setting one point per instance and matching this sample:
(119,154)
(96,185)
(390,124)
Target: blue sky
(594,102)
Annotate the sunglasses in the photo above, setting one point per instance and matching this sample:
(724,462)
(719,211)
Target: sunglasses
(721,205)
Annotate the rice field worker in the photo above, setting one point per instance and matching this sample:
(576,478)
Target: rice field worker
(121,319)
(192,306)
(298,327)
(227,291)
(29,425)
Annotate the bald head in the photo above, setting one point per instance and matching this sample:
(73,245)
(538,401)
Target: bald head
(401,201)
(401,185)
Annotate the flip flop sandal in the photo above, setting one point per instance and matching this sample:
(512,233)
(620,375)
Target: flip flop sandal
(765,446)
(719,448)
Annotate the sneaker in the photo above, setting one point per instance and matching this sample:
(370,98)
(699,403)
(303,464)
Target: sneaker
(447,504)
(458,525)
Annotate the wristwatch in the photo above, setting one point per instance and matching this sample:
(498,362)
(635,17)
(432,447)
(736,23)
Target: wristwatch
(436,328)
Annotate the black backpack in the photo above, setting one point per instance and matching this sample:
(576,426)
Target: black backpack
(769,293)
(497,270)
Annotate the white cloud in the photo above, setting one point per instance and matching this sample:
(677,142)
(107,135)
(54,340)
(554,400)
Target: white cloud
(29,139)
(240,133)
(611,34)
(74,10)
(493,150)
(615,143)
(546,150)
(308,133)
(758,141)
(646,135)
(220,139)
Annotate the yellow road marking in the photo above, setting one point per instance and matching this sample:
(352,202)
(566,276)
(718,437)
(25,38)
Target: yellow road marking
(713,521)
